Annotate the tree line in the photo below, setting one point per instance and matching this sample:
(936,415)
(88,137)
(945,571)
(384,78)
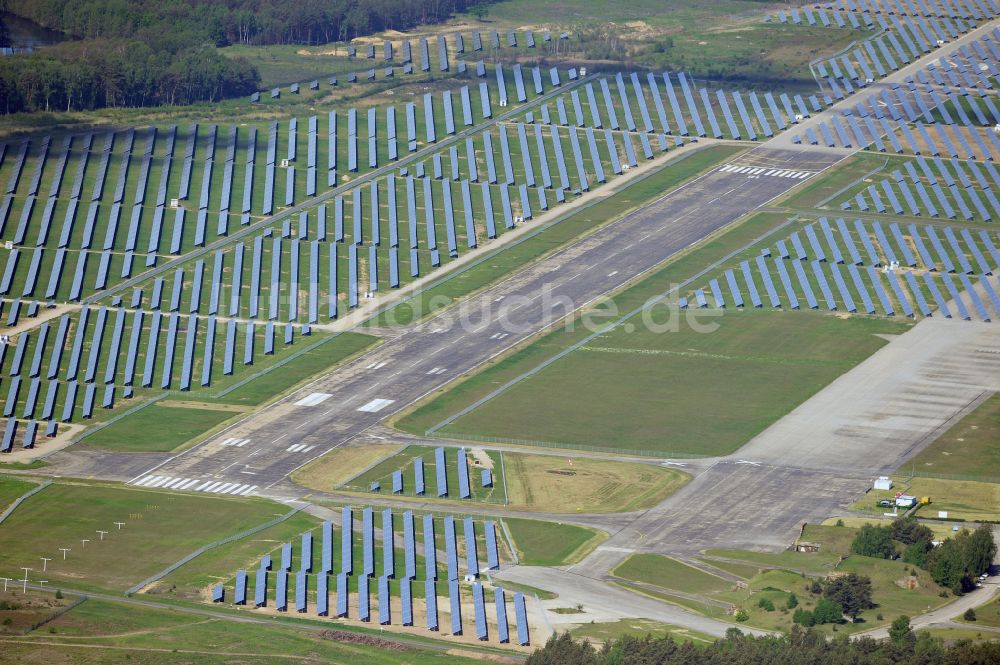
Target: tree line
(954,564)
(131,53)
(799,646)
(224,22)
(90,74)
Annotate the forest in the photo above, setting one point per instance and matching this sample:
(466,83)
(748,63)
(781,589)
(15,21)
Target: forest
(147,53)
(800,646)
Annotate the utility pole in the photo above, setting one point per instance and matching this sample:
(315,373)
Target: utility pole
(5,580)
(84,542)
(103,533)
(45,563)
(26,578)
(120,525)
(64,550)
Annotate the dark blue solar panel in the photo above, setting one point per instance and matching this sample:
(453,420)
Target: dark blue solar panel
(430,549)
(451,547)
(456,607)
(347,536)
(522,619)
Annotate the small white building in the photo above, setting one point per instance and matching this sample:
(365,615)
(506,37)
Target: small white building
(883,483)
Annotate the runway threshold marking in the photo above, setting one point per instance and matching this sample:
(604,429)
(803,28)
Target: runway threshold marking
(313,399)
(375,405)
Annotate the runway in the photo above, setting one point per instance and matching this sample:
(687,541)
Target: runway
(334,409)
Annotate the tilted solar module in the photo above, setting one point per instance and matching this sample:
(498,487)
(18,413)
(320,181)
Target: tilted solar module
(430,549)
(471,551)
(804,285)
(479,608)
(346,541)
(522,619)
(281,591)
(418,476)
(384,613)
(364,607)
(441,472)
(464,489)
(260,588)
(300,591)
(880,292)
(492,555)
(455,599)
(430,598)
(451,547)
(343,594)
(368,542)
(845,294)
(772,294)
(322,595)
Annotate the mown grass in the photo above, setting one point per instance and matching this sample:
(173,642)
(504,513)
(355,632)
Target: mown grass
(551,543)
(668,573)
(598,633)
(99,632)
(969,449)
(158,529)
(555,483)
(157,428)
(754,368)
(11,489)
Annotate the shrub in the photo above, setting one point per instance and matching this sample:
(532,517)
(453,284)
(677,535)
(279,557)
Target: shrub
(804,618)
(970,615)
(828,611)
(793,601)
(874,541)
(742,615)
(766,604)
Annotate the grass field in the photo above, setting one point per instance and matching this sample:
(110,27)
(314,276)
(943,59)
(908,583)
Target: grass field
(819,563)
(98,632)
(157,428)
(341,464)
(968,449)
(755,368)
(11,489)
(158,530)
(961,499)
(669,573)
(559,484)
(597,633)
(551,543)
(988,614)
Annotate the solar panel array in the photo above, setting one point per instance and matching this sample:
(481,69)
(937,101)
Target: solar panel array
(873,268)
(940,111)
(447,46)
(452,476)
(393,582)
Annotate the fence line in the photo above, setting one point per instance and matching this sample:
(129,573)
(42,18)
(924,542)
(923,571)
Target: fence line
(631,452)
(22,499)
(201,550)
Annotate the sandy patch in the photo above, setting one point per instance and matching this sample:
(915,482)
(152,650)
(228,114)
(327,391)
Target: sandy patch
(480,458)
(44,314)
(43,445)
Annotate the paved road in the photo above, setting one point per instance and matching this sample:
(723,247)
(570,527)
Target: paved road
(422,359)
